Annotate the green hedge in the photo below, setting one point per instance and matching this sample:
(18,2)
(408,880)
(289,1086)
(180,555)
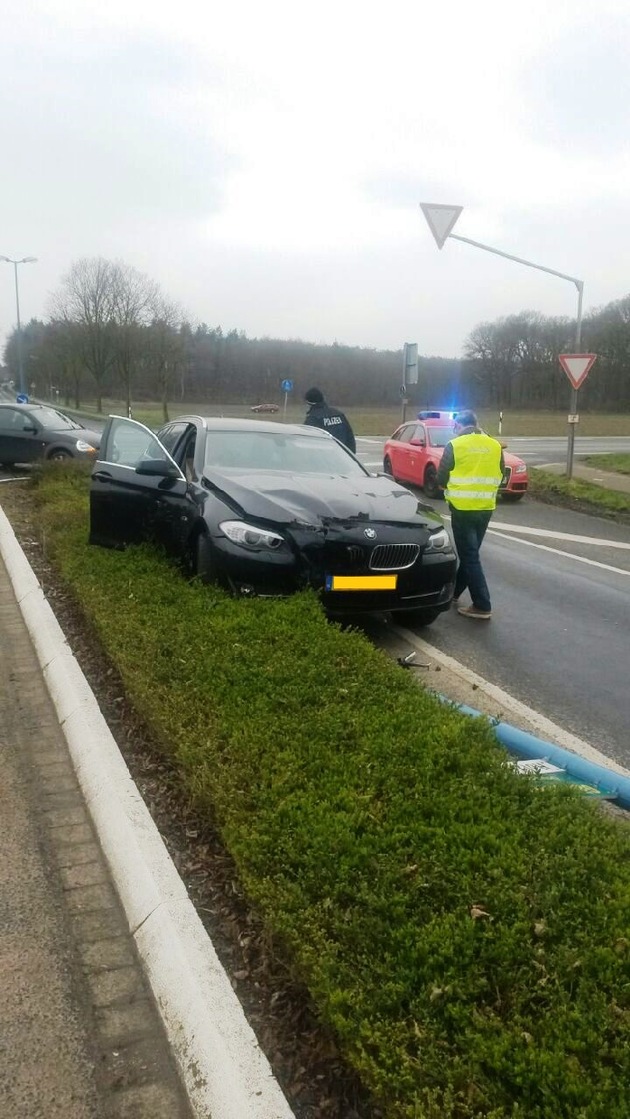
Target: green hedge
(464,933)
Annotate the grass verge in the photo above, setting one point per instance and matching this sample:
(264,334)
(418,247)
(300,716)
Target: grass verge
(584,497)
(463,932)
(618,464)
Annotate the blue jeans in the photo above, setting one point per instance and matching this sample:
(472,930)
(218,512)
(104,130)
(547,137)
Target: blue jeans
(469,528)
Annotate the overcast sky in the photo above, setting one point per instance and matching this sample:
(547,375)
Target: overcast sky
(264,160)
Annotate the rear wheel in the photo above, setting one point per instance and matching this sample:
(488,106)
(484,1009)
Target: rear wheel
(430,485)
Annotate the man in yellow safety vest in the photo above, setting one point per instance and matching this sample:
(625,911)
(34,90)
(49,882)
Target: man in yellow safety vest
(470,472)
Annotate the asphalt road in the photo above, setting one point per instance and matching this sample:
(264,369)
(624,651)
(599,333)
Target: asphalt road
(559,638)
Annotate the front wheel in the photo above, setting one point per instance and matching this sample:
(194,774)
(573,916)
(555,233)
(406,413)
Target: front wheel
(59,455)
(387,466)
(203,563)
(430,485)
(424,617)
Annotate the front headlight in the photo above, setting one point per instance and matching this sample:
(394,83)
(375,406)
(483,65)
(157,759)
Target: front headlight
(520,469)
(81,445)
(439,541)
(248,536)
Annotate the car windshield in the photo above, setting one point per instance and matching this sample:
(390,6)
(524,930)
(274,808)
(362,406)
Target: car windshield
(284,451)
(440,436)
(56,421)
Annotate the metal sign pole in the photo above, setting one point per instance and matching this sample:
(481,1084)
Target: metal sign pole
(573,405)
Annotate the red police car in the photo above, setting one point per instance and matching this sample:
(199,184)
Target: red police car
(413,453)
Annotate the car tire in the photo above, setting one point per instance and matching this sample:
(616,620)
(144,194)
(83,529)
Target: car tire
(203,564)
(59,455)
(429,484)
(387,466)
(512,496)
(424,617)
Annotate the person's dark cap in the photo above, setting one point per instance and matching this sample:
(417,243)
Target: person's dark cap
(314,396)
(465,419)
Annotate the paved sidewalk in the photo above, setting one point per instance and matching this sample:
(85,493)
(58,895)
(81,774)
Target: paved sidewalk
(605,478)
(80,1037)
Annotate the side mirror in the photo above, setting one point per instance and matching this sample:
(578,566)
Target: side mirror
(30,429)
(157,468)
(418,442)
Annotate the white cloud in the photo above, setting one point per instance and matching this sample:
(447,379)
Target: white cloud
(265,162)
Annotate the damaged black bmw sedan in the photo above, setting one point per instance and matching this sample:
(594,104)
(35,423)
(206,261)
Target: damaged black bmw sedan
(267,508)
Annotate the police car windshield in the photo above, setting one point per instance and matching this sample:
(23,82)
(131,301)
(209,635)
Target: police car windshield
(440,436)
(288,452)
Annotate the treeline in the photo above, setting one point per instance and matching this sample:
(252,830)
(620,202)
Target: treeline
(113,333)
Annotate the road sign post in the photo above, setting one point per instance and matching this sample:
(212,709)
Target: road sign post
(577,368)
(287,387)
(410,372)
(441,220)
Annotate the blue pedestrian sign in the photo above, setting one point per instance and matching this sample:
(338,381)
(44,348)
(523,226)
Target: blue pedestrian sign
(21,398)
(287,386)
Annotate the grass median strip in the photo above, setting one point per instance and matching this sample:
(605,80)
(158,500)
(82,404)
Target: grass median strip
(578,494)
(465,933)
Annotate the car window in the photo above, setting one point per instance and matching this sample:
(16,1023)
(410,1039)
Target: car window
(170,435)
(405,434)
(11,419)
(440,436)
(419,432)
(297,454)
(56,421)
(128,444)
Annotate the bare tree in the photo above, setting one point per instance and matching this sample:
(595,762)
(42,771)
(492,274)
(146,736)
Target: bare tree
(86,298)
(134,297)
(164,349)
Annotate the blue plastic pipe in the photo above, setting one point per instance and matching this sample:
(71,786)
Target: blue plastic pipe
(528,746)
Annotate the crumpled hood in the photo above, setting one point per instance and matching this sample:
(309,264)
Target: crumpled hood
(316,499)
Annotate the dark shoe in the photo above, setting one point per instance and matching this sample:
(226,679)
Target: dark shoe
(474,612)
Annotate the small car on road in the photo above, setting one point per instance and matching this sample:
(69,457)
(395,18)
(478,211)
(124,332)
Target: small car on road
(265,408)
(34,431)
(413,454)
(266,508)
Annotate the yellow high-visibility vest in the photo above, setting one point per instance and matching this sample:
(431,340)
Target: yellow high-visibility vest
(476,474)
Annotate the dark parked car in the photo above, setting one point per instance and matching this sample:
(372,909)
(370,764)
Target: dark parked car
(264,408)
(35,431)
(266,509)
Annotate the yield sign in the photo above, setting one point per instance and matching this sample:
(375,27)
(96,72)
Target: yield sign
(441,219)
(577,366)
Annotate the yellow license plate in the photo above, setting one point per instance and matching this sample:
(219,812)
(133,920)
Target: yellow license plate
(361,582)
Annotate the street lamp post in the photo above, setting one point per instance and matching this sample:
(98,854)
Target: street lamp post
(441,220)
(24,260)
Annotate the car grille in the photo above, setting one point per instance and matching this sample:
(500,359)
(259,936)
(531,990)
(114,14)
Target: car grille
(393,557)
(507,474)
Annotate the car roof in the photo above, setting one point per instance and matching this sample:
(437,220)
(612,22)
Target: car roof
(273,427)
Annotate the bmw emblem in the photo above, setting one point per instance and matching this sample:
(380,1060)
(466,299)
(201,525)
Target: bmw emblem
(370,533)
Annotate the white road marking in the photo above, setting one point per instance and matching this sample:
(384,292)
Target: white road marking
(543,726)
(558,552)
(552,534)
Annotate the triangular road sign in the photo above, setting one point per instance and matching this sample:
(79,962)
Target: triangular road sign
(577,366)
(441,219)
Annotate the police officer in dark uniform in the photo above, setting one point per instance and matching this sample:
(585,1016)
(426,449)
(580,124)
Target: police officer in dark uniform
(321,414)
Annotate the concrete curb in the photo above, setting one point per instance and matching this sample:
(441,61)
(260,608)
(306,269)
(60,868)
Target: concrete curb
(224,1071)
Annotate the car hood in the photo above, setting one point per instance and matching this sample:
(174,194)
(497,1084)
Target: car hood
(74,433)
(316,499)
(511,460)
